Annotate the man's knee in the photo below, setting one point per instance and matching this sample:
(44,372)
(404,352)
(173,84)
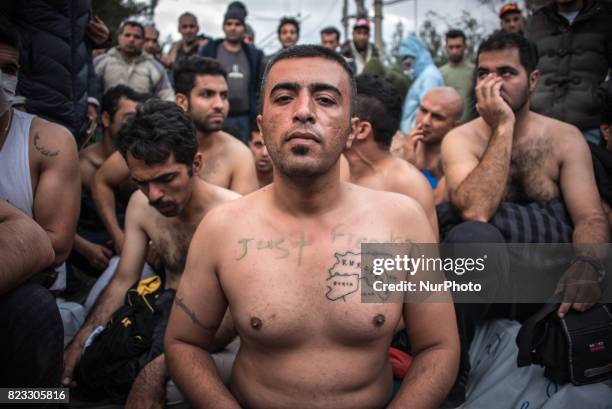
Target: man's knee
(474,232)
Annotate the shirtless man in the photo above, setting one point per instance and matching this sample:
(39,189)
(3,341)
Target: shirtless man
(379,108)
(439,112)
(263,163)
(116,103)
(159,145)
(515,155)
(301,346)
(201,89)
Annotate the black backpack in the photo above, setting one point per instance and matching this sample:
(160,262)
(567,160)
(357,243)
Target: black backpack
(576,348)
(132,338)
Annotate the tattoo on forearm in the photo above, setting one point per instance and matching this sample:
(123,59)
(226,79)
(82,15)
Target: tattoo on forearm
(43,151)
(178,301)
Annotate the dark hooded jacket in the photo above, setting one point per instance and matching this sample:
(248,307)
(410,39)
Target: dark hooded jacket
(573,61)
(56,74)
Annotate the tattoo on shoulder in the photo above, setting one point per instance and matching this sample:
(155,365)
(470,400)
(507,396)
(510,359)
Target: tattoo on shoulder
(43,151)
(178,301)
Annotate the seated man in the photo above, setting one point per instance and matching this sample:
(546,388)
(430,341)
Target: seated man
(32,334)
(160,149)
(511,155)
(90,242)
(272,269)
(379,107)
(263,164)
(201,90)
(439,112)
(38,165)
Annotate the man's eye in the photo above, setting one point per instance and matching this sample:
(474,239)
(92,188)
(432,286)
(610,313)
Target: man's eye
(481,74)
(282,99)
(506,73)
(326,101)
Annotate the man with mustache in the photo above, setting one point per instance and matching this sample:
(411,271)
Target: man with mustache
(202,91)
(274,257)
(159,146)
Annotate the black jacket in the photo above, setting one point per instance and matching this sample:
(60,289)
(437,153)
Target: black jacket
(256,65)
(574,61)
(56,74)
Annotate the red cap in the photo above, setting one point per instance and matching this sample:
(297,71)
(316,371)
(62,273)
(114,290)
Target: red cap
(361,23)
(509,8)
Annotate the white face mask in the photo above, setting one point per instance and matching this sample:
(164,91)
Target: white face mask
(8,85)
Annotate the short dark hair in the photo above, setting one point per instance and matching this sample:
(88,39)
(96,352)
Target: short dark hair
(455,34)
(187,69)
(110,100)
(8,33)
(309,51)
(606,102)
(501,40)
(288,20)
(379,103)
(188,14)
(157,130)
(132,23)
(331,30)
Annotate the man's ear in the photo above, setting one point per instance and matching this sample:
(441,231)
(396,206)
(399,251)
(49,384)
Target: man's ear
(197,163)
(182,101)
(354,130)
(606,132)
(106,119)
(362,130)
(534,77)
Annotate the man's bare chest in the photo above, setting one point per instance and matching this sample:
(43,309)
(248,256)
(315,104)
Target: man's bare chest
(171,240)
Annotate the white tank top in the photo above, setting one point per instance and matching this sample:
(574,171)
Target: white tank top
(15,180)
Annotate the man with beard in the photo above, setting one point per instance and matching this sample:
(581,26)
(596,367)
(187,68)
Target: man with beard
(202,91)
(189,44)
(304,343)
(127,64)
(458,72)
(263,164)
(522,163)
(244,65)
(160,148)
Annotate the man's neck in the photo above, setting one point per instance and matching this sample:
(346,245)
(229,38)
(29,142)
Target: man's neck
(364,160)
(205,139)
(522,119)
(309,195)
(108,147)
(431,155)
(264,178)
(456,64)
(232,46)
(571,7)
(192,211)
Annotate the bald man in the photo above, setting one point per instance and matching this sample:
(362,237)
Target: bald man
(439,112)
(370,163)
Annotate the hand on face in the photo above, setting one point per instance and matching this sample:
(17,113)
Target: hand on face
(490,104)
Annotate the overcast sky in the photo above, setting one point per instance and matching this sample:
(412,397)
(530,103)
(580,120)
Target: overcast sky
(315,14)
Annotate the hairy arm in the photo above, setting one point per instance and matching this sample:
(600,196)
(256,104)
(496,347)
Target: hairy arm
(579,190)
(58,193)
(113,172)
(435,348)
(25,248)
(200,305)
(244,175)
(127,273)
(149,387)
(477,186)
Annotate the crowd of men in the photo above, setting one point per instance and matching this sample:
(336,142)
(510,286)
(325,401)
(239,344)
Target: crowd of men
(233,184)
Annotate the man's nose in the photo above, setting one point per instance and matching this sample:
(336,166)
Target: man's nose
(304,108)
(155,193)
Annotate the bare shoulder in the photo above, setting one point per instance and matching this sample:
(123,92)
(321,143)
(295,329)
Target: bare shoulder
(235,148)
(406,178)
(219,195)
(138,207)
(558,131)
(392,207)
(51,140)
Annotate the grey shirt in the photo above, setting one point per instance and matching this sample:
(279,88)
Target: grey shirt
(238,77)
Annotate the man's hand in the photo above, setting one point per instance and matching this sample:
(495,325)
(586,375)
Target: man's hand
(580,288)
(490,105)
(97,255)
(415,136)
(118,243)
(72,356)
(97,31)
